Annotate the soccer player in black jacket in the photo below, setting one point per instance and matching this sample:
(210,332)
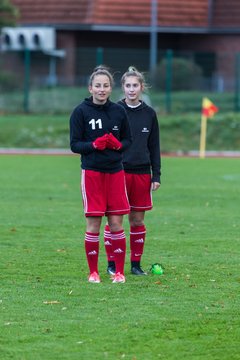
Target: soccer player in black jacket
(142,166)
(99,132)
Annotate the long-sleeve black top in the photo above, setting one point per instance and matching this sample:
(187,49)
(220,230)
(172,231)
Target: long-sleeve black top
(143,156)
(89,121)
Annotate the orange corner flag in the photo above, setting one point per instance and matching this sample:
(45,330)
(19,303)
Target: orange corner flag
(208,108)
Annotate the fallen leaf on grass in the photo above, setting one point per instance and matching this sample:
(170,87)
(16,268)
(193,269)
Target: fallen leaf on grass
(51,302)
(193,285)
(61,250)
(47,330)
(158,282)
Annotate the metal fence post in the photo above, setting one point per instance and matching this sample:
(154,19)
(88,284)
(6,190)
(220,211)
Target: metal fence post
(99,57)
(237,82)
(26,80)
(169,56)
(153,37)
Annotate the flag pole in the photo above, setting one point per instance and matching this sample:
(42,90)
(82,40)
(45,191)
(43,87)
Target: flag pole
(203,136)
(208,111)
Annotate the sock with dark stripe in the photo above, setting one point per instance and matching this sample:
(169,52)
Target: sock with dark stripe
(108,244)
(137,240)
(92,250)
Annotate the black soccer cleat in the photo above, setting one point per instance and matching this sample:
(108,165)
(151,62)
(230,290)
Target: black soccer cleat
(137,270)
(111,269)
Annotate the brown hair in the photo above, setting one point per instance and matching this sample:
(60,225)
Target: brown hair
(101,70)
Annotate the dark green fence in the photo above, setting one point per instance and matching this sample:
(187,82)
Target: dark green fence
(41,83)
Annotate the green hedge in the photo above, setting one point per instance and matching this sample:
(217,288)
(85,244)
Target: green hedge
(178,132)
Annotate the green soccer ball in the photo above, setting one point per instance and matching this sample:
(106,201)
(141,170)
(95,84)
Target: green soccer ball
(157,269)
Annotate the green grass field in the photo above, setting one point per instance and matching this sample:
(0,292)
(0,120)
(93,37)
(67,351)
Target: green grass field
(48,310)
(178,132)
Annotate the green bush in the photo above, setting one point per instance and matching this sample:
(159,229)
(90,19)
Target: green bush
(185,74)
(8,82)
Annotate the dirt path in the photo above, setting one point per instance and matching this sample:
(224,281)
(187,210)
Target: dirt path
(26,151)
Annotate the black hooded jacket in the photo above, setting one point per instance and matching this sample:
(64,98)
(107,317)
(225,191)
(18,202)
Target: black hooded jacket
(89,121)
(143,156)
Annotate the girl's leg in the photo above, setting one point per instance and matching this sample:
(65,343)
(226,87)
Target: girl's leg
(109,250)
(137,240)
(92,246)
(118,242)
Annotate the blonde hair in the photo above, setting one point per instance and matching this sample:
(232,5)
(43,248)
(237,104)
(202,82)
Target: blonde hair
(101,70)
(132,71)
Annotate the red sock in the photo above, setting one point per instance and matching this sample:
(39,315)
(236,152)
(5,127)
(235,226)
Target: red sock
(119,249)
(137,239)
(92,250)
(108,243)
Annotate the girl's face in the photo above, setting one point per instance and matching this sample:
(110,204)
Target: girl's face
(100,89)
(132,90)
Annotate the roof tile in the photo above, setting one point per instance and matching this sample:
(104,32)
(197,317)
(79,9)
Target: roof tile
(117,12)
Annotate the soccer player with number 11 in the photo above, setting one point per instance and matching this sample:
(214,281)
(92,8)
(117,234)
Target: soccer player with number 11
(100,132)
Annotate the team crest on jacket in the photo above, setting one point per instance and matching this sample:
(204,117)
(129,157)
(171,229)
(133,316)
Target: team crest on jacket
(115,128)
(145,130)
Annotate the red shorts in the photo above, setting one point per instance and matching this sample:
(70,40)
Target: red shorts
(139,191)
(104,193)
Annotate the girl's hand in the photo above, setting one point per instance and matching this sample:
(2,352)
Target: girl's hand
(113,143)
(155,185)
